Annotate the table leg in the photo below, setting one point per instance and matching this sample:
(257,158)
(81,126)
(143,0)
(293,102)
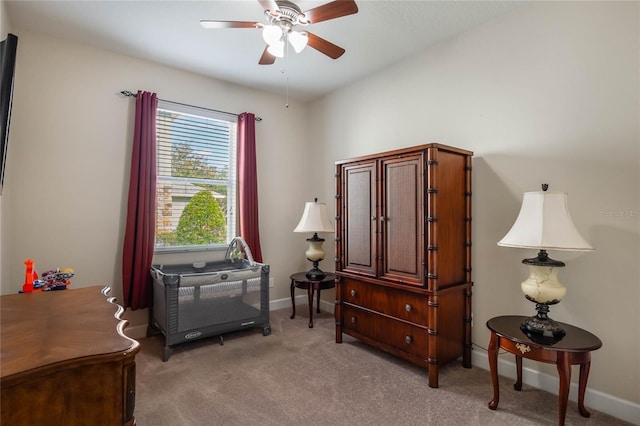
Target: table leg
(564,371)
(493,366)
(318,296)
(310,292)
(584,376)
(293,303)
(518,384)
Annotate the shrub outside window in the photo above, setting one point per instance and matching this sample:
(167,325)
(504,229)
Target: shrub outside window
(196,187)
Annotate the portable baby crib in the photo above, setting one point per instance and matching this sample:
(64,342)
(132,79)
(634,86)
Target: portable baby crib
(205,299)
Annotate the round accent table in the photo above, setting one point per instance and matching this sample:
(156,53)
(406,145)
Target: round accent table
(300,280)
(572,349)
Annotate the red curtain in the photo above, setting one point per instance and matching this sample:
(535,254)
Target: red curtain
(248,184)
(141,215)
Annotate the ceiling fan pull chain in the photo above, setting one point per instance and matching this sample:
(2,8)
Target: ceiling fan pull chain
(286,60)
(287,104)
(284,72)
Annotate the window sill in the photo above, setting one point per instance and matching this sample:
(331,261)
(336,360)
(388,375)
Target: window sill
(187,249)
(188,255)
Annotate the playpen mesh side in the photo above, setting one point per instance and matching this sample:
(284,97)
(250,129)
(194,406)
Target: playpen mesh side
(218,303)
(224,296)
(218,290)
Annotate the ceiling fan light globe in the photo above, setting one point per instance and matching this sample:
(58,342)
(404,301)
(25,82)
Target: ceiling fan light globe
(277,49)
(298,40)
(272,34)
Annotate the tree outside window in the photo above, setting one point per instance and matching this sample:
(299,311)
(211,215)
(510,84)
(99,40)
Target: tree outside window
(196,180)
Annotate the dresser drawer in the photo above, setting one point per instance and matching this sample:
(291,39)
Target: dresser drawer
(400,335)
(405,305)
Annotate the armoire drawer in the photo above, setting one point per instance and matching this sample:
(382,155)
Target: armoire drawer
(405,305)
(398,334)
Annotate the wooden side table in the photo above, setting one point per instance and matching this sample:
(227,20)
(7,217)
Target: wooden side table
(300,280)
(573,349)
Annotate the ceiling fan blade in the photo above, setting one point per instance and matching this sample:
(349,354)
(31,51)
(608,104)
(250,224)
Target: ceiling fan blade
(267,58)
(270,5)
(324,46)
(335,9)
(230,24)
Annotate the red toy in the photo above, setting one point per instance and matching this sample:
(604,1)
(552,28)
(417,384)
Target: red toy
(30,276)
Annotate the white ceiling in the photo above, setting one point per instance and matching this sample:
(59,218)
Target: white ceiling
(168,32)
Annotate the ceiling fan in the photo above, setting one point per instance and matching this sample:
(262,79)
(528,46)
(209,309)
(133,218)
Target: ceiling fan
(282,18)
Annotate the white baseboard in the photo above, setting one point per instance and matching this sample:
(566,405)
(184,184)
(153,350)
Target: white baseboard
(136,331)
(300,300)
(274,305)
(605,403)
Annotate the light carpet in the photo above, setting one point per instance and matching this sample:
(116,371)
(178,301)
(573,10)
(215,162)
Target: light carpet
(300,376)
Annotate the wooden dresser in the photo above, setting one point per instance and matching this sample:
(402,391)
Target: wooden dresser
(403,253)
(65,359)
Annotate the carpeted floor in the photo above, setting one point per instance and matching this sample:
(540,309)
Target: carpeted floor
(300,376)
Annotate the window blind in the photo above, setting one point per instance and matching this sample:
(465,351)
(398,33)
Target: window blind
(196,189)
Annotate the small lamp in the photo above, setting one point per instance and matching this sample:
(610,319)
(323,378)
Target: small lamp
(277,49)
(544,223)
(314,219)
(275,35)
(271,34)
(298,40)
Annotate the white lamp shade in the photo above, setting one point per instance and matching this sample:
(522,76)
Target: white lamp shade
(271,34)
(314,219)
(544,223)
(277,49)
(298,40)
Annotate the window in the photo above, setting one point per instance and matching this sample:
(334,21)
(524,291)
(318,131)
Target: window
(196,190)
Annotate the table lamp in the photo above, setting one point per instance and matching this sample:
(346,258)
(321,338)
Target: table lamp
(544,224)
(314,219)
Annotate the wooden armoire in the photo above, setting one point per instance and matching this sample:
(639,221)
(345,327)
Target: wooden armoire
(403,253)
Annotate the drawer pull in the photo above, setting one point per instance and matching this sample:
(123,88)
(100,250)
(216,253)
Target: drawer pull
(353,293)
(408,307)
(408,340)
(353,320)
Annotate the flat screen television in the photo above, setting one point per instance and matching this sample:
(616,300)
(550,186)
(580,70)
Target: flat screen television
(8,48)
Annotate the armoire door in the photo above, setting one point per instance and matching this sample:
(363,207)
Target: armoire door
(360,218)
(401,219)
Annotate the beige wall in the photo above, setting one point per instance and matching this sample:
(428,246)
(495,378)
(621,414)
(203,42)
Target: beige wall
(548,94)
(5,28)
(66,184)
(4,21)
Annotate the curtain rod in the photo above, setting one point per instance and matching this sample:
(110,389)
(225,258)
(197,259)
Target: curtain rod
(128,93)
